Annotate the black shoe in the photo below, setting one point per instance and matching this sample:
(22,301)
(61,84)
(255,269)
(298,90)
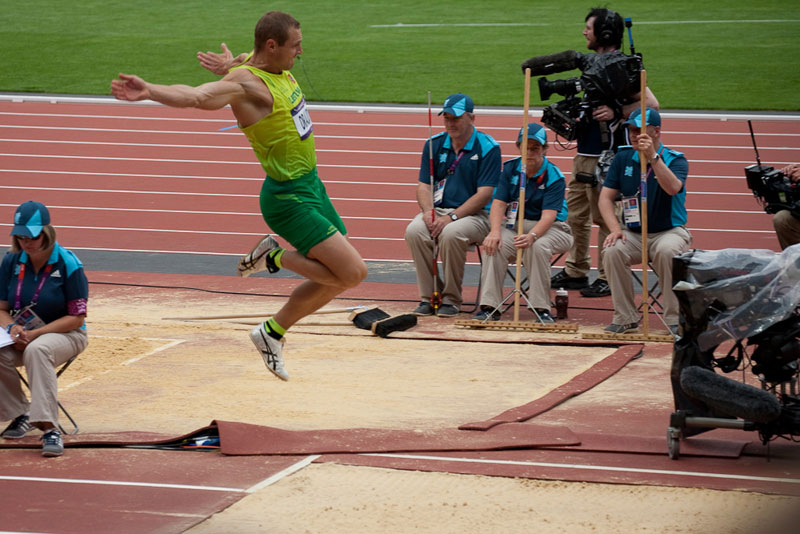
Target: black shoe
(423,309)
(562,279)
(447,310)
(487,313)
(17,428)
(599,288)
(621,328)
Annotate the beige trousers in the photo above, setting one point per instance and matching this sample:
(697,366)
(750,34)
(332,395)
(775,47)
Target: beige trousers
(583,211)
(453,243)
(661,248)
(41,358)
(535,259)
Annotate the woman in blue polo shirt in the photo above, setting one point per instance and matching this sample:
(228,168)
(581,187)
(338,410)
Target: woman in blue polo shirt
(43,297)
(544,233)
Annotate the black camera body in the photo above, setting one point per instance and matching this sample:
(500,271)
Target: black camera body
(562,117)
(772,188)
(608,79)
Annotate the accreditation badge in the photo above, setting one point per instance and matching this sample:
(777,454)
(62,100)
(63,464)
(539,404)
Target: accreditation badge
(630,212)
(27,318)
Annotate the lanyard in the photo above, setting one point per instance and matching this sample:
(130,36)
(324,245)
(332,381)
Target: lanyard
(453,165)
(21,277)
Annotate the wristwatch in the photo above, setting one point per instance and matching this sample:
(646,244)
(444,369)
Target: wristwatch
(535,237)
(453,216)
(655,158)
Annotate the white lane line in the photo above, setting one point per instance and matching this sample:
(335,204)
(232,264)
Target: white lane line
(373,125)
(344,151)
(204,162)
(215,147)
(238,195)
(258,214)
(402,25)
(182,193)
(283,474)
(200,212)
(411,182)
(585,467)
(226,122)
(252,489)
(321,165)
(120,483)
(386,108)
(214,232)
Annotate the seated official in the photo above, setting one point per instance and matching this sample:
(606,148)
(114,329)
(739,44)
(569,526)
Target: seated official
(43,297)
(544,230)
(787,222)
(466,166)
(667,235)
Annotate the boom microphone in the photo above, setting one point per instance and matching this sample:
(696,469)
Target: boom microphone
(563,61)
(728,397)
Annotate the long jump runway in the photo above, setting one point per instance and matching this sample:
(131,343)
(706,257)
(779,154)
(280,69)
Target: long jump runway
(167,189)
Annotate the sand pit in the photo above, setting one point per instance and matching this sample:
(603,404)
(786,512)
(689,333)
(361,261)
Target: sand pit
(142,373)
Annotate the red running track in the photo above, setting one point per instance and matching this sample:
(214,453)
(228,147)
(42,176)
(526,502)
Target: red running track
(148,178)
(127,177)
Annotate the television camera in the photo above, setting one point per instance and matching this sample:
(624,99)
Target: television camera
(610,79)
(737,300)
(773,189)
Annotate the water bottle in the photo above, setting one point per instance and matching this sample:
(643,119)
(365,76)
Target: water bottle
(562,303)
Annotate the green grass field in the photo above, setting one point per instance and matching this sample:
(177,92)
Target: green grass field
(735,55)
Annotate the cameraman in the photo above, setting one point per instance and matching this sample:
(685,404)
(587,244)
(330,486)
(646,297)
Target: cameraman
(596,134)
(787,222)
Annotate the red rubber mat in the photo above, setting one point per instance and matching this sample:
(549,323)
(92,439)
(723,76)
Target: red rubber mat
(597,373)
(246,439)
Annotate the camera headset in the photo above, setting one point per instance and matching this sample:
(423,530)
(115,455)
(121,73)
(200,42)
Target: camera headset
(608,29)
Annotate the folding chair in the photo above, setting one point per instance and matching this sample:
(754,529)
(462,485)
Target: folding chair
(654,291)
(477,248)
(511,273)
(61,406)
(524,284)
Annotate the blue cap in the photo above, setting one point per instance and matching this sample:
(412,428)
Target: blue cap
(457,105)
(535,131)
(653,118)
(29,219)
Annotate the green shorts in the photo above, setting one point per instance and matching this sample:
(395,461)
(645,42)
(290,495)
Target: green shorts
(300,211)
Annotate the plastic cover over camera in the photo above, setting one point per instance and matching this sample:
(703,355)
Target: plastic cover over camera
(739,292)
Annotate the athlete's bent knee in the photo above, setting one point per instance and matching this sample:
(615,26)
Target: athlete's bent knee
(354,275)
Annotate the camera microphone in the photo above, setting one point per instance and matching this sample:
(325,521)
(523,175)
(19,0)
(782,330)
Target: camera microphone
(563,61)
(728,397)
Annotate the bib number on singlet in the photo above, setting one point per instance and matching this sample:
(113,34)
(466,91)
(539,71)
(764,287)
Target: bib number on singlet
(302,120)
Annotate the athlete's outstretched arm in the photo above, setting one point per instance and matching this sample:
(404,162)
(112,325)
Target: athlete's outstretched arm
(212,95)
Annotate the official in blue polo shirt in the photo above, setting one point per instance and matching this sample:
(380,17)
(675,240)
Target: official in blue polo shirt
(667,235)
(43,297)
(466,167)
(544,232)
